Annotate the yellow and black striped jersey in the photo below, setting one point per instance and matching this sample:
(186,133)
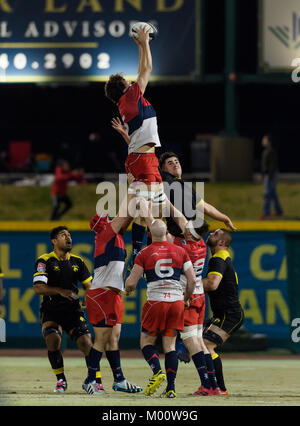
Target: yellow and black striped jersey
(225,297)
(50,270)
(1,273)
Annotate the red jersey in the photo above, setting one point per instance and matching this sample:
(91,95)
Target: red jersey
(163,263)
(197,251)
(139,117)
(109,260)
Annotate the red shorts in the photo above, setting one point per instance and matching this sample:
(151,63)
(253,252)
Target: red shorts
(194,315)
(162,316)
(104,306)
(144,168)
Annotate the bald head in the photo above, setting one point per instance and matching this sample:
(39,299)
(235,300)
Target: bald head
(158,230)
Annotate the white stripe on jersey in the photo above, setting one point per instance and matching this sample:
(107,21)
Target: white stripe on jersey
(145,134)
(198,288)
(110,275)
(164,290)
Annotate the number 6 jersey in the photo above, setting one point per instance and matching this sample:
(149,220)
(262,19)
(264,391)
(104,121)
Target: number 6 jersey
(163,264)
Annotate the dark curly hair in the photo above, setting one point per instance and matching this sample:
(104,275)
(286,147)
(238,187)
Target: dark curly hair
(114,87)
(164,156)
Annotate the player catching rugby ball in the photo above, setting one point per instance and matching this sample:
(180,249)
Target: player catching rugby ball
(139,118)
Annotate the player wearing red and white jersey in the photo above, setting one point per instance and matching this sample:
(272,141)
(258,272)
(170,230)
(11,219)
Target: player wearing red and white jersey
(163,263)
(196,248)
(140,133)
(104,302)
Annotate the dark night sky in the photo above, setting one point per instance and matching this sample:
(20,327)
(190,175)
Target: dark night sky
(48,115)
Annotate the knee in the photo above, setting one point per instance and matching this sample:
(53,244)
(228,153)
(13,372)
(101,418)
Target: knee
(52,337)
(113,342)
(84,344)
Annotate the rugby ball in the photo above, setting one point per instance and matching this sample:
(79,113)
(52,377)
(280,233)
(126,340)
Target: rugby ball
(138,25)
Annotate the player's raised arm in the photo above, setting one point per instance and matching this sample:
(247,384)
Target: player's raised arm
(212,212)
(145,58)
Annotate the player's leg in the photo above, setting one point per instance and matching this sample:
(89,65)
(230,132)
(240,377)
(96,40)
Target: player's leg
(112,353)
(213,337)
(209,362)
(171,361)
(196,350)
(101,337)
(148,183)
(151,355)
(52,333)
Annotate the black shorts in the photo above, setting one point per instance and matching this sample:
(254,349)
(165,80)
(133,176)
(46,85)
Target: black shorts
(68,320)
(227,321)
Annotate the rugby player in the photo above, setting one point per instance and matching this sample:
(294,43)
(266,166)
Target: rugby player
(171,171)
(162,263)
(141,135)
(221,285)
(195,246)
(104,302)
(56,278)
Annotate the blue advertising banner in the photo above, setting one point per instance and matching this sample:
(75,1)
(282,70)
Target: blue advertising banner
(87,40)
(259,259)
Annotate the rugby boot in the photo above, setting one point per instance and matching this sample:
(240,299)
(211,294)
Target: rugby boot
(201,391)
(61,386)
(126,386)
(170,394)
(217,391)
(154,383)
(93,388)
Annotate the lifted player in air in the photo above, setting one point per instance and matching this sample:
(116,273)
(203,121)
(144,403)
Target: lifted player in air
(141,135)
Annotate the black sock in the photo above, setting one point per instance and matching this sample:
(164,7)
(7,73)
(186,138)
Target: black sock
(171,366)
(200,364)
(114,360)
(137,233)
(98,372)
(211,371)
(152,357)
(219,371)
(57,364)
(93,360)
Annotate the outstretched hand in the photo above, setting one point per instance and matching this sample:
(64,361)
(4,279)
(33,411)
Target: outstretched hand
(230,225)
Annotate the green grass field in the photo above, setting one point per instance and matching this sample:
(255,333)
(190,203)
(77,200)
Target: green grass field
(240,201)
(29,381)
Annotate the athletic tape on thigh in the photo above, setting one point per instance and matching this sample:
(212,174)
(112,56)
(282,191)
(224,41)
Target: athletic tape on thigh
(159,197)
(213,337)
(187,334)
(80,331)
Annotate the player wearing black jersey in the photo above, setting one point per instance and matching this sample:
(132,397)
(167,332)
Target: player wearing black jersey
(221,285)
(56,278)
